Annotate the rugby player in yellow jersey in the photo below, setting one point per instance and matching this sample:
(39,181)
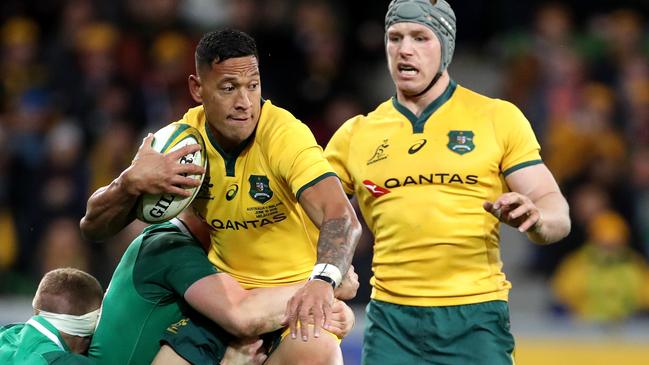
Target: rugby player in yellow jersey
(434,169)
(273,204)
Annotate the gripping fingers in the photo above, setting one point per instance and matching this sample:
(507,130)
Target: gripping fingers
(188,182)
(292,308)
(337,328)
(256,345)
(188,169)
(147,141)
(322,318)
(529,222)
(353,276)
(146,145)
(304,313)
(171,189)
(337,319)
(489,207)
(327,315)
(186,150)
(260,358)
(319,316)
(519,212)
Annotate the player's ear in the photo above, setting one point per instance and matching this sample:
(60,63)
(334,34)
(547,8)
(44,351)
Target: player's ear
(195,86)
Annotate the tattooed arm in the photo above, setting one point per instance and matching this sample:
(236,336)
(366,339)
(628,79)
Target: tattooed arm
(328,207)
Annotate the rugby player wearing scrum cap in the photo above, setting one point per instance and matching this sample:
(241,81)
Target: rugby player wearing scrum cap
(435,169)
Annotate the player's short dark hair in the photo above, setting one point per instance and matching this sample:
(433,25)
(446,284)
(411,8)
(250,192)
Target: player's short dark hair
(223,44)
(68,291)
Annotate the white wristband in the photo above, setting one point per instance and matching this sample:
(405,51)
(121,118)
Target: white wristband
(327,270)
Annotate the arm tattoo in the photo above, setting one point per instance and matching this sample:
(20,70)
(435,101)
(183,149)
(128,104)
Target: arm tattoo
(336,243)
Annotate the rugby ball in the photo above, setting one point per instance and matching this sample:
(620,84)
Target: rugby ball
(157,208)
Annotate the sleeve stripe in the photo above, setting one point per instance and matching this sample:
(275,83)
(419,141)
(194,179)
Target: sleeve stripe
(313,182)
(521,165)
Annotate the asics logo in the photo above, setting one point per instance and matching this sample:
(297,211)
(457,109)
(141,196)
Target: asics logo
(231,192)
(417,146)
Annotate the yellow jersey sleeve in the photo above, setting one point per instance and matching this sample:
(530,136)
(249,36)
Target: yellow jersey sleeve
(293,152)
(517,139)
(337,153)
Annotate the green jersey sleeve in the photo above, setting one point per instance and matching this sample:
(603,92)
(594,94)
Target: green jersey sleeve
(168,264)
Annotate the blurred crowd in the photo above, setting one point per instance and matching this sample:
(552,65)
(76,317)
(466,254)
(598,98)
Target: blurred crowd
(83,80)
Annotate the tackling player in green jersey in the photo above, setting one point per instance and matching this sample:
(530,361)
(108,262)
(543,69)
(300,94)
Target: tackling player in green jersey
(163,277)
(435,169)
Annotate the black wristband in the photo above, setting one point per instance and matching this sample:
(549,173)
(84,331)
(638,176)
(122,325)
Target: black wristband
(325,278)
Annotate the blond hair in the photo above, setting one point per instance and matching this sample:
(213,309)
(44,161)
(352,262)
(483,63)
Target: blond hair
(68,291)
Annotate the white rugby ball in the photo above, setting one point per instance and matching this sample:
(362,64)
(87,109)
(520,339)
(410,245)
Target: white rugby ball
(157,208)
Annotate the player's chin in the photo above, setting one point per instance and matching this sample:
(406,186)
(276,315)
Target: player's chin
(410,87)
(239,132)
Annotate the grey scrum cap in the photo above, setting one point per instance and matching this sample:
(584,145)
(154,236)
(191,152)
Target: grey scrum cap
(436,15)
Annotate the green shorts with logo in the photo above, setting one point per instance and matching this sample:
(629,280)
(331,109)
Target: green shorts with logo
(201,341)
(451,335)
(197,339)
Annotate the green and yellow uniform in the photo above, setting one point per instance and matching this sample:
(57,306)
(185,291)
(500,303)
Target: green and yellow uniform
(260,234)
(36,342)
(146,292)
(421,182)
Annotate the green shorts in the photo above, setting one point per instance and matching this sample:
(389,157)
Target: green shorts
(451,335)
(197,339)
(201,341)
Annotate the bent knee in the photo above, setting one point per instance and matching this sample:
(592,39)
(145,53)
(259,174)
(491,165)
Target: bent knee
(321,351)
(333,357)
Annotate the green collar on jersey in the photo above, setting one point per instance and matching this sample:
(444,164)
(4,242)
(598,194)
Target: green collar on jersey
(230,159)
(419,122)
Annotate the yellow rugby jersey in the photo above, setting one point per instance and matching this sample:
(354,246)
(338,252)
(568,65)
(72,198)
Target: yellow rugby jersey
(421,182)
(260,234)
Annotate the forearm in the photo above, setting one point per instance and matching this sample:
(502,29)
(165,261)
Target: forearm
(243,313)
(109,210)
(337,241)
(554,223)
(262,310)
(329,209)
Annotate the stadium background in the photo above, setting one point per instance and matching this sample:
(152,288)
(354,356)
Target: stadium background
(83,80)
